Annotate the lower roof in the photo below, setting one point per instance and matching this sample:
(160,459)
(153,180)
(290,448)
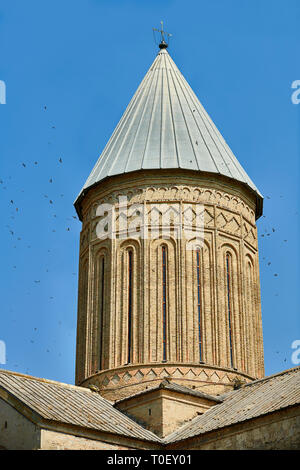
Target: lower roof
(82,407)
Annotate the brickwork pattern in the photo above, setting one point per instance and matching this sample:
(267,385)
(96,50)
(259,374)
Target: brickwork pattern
(102,330)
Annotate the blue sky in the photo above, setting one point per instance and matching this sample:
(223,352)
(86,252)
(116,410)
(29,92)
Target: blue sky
(70,68)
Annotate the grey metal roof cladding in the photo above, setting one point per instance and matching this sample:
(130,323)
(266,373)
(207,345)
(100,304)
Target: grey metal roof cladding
(69,404)
(251,401)
(165,126)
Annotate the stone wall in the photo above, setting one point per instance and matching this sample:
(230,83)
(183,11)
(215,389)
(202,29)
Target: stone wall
(16,431)
(56,440)
(163,411)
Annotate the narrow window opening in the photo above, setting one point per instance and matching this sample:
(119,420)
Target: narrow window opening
(164,301)
(229,304)
(102,267)
(130,268)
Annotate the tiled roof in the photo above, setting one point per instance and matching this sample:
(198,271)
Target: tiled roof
(79,406)
(255,399)
(165,126)
(73,405)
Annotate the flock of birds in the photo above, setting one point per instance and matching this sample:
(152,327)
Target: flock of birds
(17,209)
(11,231)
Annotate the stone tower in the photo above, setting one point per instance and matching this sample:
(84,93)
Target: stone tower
(149,306)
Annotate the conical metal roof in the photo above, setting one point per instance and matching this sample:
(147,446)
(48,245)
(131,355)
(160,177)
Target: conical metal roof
(165,126)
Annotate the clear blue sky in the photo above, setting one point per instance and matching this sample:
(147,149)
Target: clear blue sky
(83,60)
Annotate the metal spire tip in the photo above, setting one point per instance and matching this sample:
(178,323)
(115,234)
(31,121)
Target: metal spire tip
(163,43)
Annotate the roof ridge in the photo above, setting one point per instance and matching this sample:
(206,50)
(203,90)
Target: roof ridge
(292,369)
(41,379)
(168,384)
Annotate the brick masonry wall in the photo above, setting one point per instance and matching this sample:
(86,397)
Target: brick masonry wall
(102,329)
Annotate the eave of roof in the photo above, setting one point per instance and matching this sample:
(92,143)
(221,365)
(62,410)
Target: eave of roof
(258,198)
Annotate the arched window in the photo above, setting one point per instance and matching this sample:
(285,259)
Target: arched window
(229,302)
(250,286)
(164,300)
(82,330)
(129,326)
(251,319)
(101,309)
(199,307)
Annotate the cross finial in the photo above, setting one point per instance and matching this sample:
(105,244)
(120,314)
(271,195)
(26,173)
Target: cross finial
(163,44)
